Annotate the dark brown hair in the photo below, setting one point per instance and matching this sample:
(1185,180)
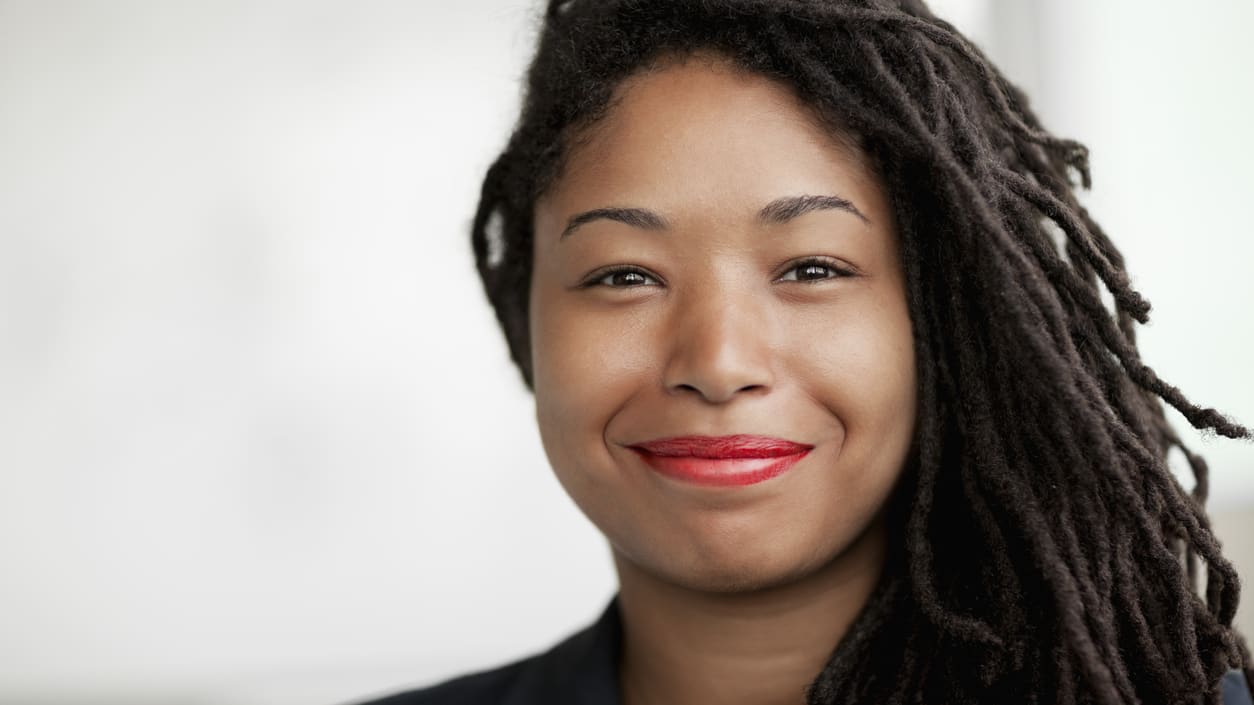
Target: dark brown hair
(1045,553)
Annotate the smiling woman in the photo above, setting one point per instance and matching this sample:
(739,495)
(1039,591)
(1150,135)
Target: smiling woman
(757,310)
(815,330)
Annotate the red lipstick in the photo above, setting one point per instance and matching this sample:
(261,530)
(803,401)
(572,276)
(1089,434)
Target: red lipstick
(721,461)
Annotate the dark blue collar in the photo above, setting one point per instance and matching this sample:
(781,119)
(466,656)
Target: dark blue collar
(582,670)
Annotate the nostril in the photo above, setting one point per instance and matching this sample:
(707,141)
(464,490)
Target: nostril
(704,393)
(686,389)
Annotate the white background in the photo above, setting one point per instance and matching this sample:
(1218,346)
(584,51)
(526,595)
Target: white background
(260,441)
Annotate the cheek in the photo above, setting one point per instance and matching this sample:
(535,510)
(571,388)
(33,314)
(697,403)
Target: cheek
(587,364)
(864,353)
(859,364)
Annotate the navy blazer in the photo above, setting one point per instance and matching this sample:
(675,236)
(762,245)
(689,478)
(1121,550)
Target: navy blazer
(583,670)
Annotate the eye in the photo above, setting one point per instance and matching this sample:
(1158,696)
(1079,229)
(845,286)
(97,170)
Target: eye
(620,278)
(813,269)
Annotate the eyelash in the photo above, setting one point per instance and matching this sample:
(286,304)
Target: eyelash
(598,277)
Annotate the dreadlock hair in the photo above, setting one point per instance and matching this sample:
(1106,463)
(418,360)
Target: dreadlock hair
(1041,438)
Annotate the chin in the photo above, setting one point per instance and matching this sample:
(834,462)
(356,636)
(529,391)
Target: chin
(739,562)
(727,571)
(727,582)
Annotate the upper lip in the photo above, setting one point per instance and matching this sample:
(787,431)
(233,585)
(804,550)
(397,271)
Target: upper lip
(722,447)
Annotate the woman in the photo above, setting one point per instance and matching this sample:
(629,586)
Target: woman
(815,329)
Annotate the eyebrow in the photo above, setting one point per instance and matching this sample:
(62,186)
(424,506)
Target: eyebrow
(782,210)
(779,211)
(636,217)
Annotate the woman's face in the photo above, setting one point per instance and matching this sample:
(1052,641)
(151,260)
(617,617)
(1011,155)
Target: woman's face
(748,285)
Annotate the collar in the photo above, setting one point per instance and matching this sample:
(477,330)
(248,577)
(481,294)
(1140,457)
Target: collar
(582,670)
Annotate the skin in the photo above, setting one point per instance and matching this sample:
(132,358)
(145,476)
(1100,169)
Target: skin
(730,595)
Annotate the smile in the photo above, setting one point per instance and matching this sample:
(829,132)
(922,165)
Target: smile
(721,461)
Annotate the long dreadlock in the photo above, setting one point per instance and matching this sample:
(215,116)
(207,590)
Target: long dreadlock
(1041,436)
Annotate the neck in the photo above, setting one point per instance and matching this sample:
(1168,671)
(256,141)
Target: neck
(760,647)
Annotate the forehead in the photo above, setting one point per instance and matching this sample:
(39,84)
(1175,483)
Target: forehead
(699,131)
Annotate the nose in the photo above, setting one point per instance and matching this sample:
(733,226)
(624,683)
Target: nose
(720,349)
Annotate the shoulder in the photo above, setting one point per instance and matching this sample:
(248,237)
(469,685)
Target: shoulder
(1235,689)
(581,669)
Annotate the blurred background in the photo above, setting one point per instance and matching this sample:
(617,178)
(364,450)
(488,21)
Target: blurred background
(260,441)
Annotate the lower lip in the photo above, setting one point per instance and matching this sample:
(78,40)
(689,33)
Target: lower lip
(722,472)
